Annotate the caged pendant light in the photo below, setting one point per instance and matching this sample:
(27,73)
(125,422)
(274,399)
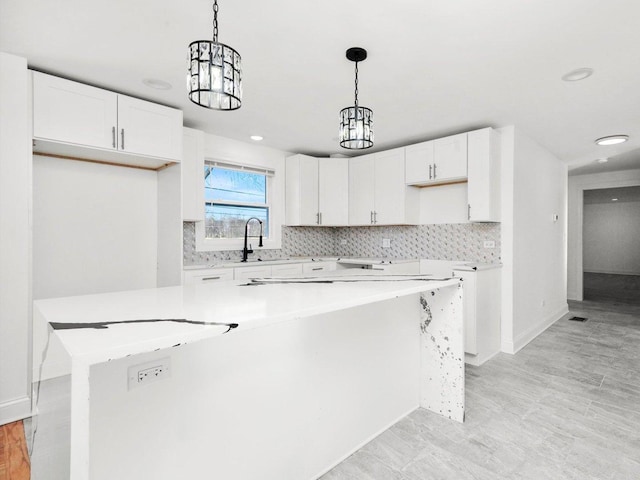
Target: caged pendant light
(214,73)
(356,123)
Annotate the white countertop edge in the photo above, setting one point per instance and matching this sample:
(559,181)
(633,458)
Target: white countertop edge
(186,336)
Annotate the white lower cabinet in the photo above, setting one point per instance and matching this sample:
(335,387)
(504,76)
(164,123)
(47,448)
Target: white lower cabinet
(481,313)
(481,287)
(286,269)
(315,267)
(247,273)
(207,275)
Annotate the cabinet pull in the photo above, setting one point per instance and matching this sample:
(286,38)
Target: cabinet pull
(122,139)
(204,279)
(317,219)
(371,219)
(316,269)
(113,137)
(320,223)
(434,171)
(430,172)
(468,211)
(375,217)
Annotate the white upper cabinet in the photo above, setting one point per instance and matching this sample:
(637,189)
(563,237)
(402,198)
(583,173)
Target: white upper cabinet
(192,175)
(147,128)
(73,112)
(333,191)
(73,119)
(316,191)
(361,190)
(439,161)
(377,191)
(483,186)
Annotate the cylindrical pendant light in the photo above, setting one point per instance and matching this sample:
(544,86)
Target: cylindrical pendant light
(356,123)
(214,73)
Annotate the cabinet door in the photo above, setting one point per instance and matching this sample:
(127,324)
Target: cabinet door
(71,112)
(192,175)
(286,269)
(247,273)
(390,187)
(469,286)
(301,190)
(450,158)
(333,191)
(418,162)
(361,190)
(146,128)
(484,175)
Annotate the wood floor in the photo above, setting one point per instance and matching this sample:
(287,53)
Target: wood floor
(14,459)
(612,289)
(567,406)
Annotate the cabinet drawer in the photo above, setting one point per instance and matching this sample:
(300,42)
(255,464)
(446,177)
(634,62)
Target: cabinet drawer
(315,267)
(288,269)
(208,276)
(247,273)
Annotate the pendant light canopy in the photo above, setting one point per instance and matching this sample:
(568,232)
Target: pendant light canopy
(214,73)
(356,123)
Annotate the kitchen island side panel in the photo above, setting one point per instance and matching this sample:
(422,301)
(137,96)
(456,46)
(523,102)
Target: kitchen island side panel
(288,401)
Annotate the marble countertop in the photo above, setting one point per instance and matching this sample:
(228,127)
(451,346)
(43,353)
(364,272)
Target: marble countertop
(280,261)
(98,328)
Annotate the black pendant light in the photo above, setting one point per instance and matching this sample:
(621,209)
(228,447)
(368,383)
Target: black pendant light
(214,74)
(356,123)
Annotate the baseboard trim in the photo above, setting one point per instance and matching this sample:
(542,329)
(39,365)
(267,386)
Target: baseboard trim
(15,410)
(477,360)
(513,347)
(611,272)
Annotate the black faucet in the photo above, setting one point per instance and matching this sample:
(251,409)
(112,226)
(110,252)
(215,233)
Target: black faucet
(246,251)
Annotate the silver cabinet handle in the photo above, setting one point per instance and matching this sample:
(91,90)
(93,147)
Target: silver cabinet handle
(122,139)
(430,166)
(113,137)
(317,219)
(204,279)
(320,214)
(468,211)
(375,217)
(434,171)
(316,269)
(371,217)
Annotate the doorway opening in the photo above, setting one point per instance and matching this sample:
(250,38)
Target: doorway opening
(611,245)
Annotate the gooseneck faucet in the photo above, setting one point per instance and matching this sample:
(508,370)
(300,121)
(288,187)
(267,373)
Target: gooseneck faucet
(246,251)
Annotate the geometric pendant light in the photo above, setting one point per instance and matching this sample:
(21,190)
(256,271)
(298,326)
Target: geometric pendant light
(356,123)
(214,78)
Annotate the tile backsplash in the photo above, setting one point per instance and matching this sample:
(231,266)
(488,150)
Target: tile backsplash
(458,241)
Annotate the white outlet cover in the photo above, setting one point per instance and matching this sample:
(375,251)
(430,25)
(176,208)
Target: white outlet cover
(386,243)
(489,244)
(134,370)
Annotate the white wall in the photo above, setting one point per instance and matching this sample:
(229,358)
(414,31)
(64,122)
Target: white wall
(611,238)
(538,190)
(94,228)
(444,204)
(577,185)
(15,240)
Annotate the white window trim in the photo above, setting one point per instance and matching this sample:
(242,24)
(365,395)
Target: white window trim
(276,217)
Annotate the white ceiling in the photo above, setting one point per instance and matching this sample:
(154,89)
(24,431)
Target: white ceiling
(435,67)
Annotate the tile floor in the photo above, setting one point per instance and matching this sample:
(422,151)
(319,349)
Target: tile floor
(567,406)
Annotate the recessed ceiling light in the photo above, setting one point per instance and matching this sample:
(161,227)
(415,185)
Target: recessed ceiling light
(612,140)
(256,138)
(157,84)
(577,74)
(602,160)
(614,199)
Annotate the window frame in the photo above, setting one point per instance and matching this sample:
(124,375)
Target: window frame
(275,218)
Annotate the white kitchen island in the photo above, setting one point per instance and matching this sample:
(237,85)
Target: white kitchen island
(279,379)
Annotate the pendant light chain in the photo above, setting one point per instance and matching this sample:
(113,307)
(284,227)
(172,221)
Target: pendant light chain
(215,21)
(356,91)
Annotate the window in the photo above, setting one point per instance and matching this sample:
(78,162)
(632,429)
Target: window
(233,194)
